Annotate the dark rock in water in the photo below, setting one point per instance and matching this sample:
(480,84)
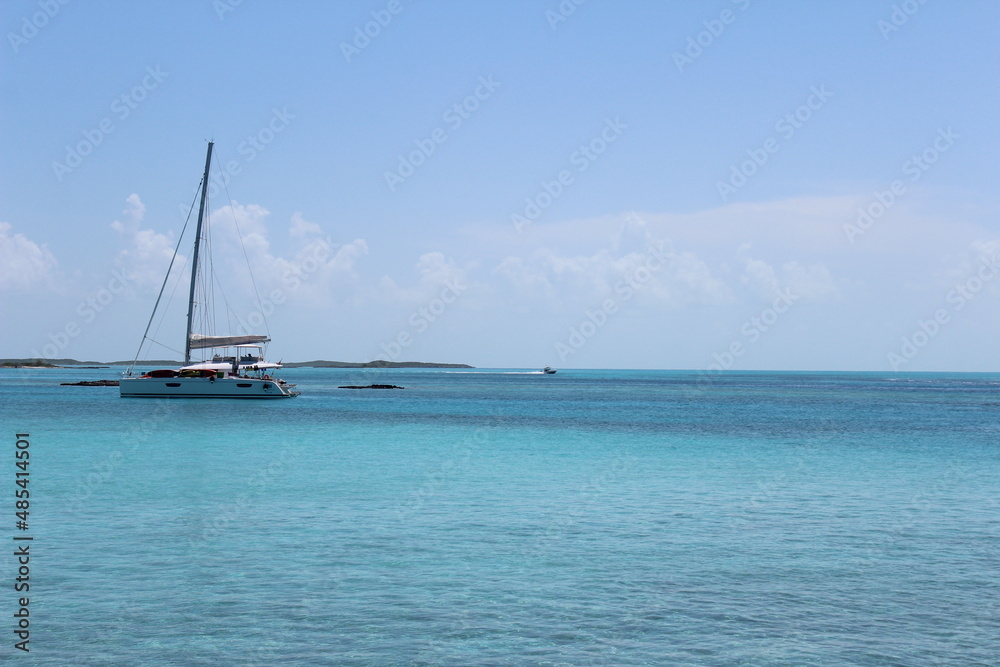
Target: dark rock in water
(371,386)
(92,383)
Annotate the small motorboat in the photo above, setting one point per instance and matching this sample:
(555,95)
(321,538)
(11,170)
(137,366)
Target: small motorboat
(548,370)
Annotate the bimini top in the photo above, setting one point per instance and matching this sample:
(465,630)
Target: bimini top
(200,341)
(225,366)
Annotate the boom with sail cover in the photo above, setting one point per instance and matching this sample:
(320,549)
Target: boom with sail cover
(199,341)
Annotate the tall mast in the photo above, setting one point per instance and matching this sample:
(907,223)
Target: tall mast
(194,259)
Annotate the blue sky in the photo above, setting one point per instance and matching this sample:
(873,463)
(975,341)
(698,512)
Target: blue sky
(743,185)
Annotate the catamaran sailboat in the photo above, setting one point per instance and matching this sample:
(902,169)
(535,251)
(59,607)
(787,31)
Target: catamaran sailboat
(237,368)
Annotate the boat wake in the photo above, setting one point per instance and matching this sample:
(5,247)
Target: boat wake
(498,372)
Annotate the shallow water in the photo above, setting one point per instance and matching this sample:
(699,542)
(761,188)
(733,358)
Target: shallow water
(587,517)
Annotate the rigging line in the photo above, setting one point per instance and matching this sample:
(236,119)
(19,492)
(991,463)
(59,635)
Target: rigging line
(203,302)
(156,342)
(163,286)
(170,299)
(239,233)
(230,313)
(217,289)
(212,286)
(207,277)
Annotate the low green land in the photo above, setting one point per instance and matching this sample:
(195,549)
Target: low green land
(25,363)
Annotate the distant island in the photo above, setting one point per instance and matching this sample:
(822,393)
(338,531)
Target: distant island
(25,363)
(319,363)
(54,363)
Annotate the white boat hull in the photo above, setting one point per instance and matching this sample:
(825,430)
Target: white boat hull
(199,387)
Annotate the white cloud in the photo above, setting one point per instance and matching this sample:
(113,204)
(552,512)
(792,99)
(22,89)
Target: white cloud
(634,262)
(231,225)
(299,227)
(524,277)
(134,213)
(317,271)
(146,255)
(977,266)
(760,277)
(799,226)
(434,273)
(321,272)
(24,265)
(808,282)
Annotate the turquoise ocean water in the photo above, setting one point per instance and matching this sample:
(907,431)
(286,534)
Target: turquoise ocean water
(503,517)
